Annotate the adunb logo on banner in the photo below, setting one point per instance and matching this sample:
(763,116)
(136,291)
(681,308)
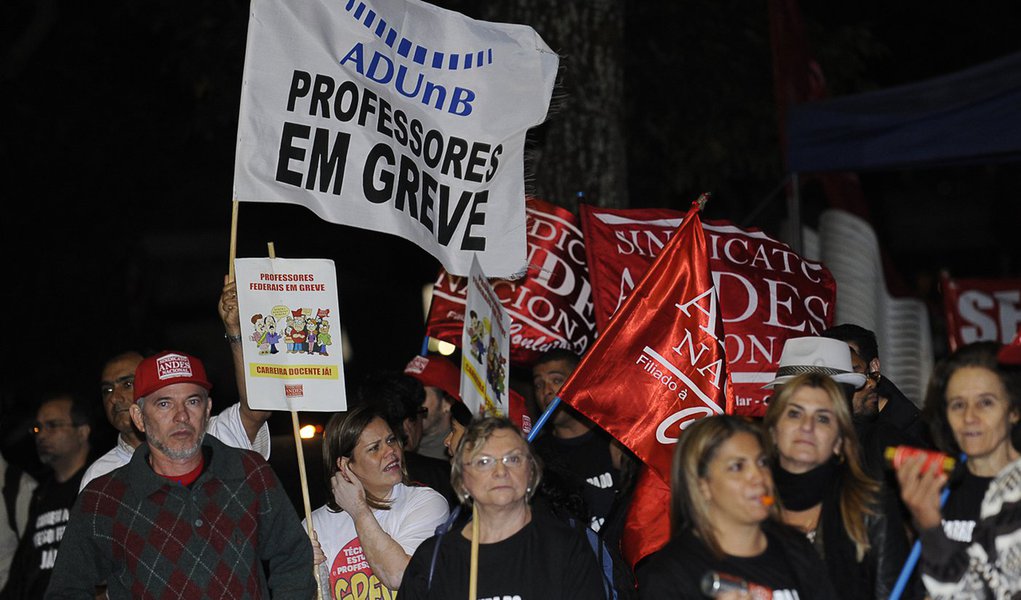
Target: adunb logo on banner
(395,116)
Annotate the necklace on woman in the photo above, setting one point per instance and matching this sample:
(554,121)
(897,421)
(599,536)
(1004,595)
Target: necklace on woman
(805,521)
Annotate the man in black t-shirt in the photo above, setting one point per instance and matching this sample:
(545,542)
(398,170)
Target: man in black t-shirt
(62,440)
(571,443)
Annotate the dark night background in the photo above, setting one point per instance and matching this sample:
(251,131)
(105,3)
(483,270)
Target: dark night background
(117,150)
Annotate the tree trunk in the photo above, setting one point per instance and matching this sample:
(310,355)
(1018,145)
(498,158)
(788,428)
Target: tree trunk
(580,151)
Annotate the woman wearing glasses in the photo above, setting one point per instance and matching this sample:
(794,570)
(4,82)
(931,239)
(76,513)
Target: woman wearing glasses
(375,521)
(520,552)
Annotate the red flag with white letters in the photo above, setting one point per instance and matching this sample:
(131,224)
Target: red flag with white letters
(659,365)
(768,293)
(550,307)
(980,309)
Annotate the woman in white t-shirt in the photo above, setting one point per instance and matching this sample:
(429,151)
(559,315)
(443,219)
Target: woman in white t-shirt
(374,521)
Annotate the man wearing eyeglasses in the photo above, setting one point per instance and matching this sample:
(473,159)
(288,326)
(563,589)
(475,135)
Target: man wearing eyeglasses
(62,441)
(879,399)
(442,381)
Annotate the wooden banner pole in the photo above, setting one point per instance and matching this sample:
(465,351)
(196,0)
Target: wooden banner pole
(233,240)
(301,459)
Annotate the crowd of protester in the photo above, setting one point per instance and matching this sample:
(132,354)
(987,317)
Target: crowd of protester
(428,501)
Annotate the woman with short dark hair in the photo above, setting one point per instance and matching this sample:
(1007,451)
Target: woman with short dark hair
(374,521)
(971,548)
(508,549)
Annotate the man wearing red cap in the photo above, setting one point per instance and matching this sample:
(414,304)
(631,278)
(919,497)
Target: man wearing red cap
(442,381)
(237,426)
(187,514)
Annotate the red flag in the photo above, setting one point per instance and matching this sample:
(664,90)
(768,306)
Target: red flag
(550,307)
(767,292)
(647,527)
(659,365)
(518,412)
(980,309)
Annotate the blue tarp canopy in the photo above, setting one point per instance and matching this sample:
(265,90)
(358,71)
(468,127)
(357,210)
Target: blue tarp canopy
(969,117)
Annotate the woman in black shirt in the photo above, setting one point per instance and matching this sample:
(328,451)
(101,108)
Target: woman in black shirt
(969,548)
(853,523)
(723,521)
(522,552)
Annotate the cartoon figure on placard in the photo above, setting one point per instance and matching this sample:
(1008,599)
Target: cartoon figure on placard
(325,339)
(259,337)
(288,330)
(495,365)
(480,344)
(256,319)
(476,335)
(299,335)
(272,337)
(311,327)
(316,347)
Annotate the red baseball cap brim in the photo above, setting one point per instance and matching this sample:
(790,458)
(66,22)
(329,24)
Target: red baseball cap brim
(167,368)
(437,372)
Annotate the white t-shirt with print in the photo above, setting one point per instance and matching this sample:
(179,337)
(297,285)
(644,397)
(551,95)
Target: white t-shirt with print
(412,518)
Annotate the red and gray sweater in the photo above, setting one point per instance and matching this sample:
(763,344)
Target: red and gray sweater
(148,537)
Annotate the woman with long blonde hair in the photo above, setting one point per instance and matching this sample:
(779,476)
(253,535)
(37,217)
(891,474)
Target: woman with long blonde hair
(853,524)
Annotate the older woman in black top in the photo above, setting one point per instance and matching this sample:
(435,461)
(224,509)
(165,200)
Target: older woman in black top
(521,552)
(970,548)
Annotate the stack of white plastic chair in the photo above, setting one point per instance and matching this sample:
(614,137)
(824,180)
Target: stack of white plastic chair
(847,245)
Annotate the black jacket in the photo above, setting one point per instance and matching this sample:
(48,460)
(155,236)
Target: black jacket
(901,413)
(876,575)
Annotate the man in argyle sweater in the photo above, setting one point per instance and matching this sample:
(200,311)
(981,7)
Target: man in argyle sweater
(188,517)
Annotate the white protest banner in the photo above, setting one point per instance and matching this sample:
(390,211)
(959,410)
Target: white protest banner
(290,334)
(395,116)
(485,348)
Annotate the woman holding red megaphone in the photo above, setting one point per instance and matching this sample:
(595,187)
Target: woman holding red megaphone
(970,548)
